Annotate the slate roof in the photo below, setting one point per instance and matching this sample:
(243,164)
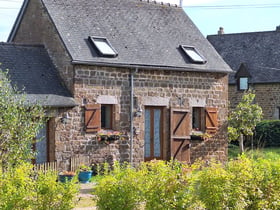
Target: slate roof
(145,34)
(31,70)
(259,51)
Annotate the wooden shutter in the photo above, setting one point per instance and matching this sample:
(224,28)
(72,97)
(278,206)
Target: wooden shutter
(211,120)
(92,118)
(180,134)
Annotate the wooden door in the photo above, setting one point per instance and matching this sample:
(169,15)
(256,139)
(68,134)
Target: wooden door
(180,134)
(153,148)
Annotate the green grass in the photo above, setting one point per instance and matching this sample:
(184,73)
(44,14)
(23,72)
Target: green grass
(271,153)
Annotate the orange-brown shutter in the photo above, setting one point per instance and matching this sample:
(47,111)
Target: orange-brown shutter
(92,118)
(180,134)
(211,120)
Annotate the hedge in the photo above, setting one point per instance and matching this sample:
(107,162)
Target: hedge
(267,134)
(240,184)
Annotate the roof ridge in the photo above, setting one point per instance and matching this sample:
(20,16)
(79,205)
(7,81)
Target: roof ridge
(22,44)
(161,3)
(243,33)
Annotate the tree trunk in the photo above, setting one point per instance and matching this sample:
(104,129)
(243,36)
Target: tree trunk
(241,143)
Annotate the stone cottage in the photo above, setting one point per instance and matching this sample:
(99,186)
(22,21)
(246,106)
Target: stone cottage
(254,57)
(146,83)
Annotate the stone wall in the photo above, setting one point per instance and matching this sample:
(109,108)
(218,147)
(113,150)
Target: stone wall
(151,87)
(267,96)
(92,84)
(36,28)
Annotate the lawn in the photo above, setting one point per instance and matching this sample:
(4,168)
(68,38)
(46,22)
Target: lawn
(271,153)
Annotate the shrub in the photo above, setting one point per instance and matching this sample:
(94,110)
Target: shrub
(267,133)
(118,190)
(21,188)
(243,183)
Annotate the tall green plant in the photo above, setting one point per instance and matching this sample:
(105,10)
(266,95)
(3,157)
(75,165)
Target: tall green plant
(243,119)
(20,122)
(23,189)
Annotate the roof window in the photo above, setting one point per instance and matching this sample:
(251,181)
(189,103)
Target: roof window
(193,54)
(103,46)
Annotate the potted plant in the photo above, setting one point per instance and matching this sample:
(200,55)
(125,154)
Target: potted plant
(107,136)
(85,174)
(198,135)
(66,176)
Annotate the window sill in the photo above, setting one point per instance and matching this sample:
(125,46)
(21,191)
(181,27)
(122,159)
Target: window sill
(200,136)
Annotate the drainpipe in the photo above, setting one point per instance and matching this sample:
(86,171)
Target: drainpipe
(131,114)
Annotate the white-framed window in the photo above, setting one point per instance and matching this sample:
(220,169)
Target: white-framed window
(103,46)
(193,54)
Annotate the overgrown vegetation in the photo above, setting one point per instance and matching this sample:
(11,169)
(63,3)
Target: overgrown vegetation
(20,187)
(20,122)
(242,183)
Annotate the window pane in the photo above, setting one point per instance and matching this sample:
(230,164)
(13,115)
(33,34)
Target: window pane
(243,83)
(196,118)
(194,56)
(147,133)
(157,122)
(106,116)
(41,146)
(103,47)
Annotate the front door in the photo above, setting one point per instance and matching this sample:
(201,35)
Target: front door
(153,133)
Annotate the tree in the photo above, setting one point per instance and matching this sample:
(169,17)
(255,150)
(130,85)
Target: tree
(20,122)
(243,119)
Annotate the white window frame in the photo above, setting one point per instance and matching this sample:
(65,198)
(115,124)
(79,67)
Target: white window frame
(193,54)
(103,46)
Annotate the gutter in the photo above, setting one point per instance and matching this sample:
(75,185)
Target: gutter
(18,21)
(150,67)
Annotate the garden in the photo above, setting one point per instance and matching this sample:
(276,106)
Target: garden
(247,181)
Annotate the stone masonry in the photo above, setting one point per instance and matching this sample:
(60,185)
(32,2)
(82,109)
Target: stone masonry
(168,89)
(267,96)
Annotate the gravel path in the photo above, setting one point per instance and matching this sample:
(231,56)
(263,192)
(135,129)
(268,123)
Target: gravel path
(85,193)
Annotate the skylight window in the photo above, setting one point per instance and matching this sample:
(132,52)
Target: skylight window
(103,46)
(193,54)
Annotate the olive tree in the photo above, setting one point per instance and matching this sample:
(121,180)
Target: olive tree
(243,119)
(20,122)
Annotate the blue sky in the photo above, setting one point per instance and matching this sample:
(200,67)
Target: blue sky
(208,15)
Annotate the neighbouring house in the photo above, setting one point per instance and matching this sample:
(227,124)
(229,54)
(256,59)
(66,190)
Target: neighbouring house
(254,58)
(145,82)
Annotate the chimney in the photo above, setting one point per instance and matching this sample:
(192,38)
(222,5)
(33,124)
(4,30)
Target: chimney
(221,31)
(278,28)
(181,3)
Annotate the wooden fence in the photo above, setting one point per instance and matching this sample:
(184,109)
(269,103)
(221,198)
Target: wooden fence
(49,166)
(75,163)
